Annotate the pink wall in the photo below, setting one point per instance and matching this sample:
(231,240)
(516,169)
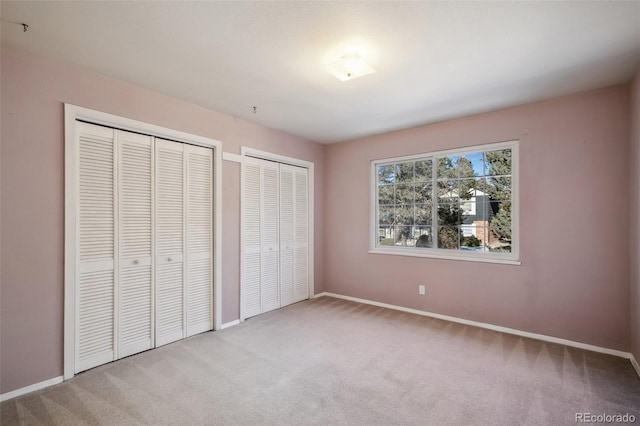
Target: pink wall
(32,176)
(635,214)
(574,278)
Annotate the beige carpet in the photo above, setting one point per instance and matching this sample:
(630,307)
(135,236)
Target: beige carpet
(328,361)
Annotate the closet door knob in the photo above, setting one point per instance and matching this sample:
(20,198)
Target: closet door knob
(135,262)
(169,259)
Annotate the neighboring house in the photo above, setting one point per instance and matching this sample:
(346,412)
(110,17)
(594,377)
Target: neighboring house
(477,213)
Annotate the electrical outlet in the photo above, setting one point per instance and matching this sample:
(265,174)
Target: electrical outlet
(421,289)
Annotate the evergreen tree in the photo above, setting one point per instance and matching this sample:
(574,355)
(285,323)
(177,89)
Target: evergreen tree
(498,187)
(456,182)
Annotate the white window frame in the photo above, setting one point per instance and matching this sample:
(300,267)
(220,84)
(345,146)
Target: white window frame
(72,113)
(512,258)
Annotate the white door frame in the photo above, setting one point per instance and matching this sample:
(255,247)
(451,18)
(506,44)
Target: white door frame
(71,244)
(264,155)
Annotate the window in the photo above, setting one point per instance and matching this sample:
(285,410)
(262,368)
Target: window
(452,204)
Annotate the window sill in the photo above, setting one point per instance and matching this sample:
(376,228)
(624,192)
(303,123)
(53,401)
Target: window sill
(431,254)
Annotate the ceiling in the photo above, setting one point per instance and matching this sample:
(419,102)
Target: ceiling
(434,60)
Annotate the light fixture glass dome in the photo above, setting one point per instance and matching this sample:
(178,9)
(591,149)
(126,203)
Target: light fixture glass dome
(350,67)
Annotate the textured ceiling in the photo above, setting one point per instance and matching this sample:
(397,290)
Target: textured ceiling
(434,60)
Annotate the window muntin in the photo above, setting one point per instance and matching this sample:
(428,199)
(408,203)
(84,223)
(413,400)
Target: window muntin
(457,202)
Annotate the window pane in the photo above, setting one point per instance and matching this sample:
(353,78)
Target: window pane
(386,236)
(476,160)
(499,188)
(424,214)
(497,162)
(403,236)
(499,233)
(469,238)
(448,215)
(500,214)
(404,172)
(467,188)
(385,194)
(424,237)
(423,170)
(448,191)
(404,215)
(424,192)
(404,194)
(468,210)
(465,168)
(386,174)
(499,239)
(448,237)
(447,167)
(386,215)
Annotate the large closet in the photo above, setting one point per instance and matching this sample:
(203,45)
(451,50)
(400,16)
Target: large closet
(144,231)
(275,246)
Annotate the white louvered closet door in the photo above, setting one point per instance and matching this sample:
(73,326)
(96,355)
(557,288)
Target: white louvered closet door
(96,249)
(275,235)
(287,234)
(294,234)
(199,302)
(141,243)
(170,241)
(270,278)
(301,233)
(252,231)
(136,310)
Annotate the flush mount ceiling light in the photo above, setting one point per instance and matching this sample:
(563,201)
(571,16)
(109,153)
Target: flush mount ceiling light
(350,67)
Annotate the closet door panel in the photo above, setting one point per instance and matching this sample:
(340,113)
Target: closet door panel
(301,273)
(95,341)
(287,226)
(136,319)
(287,295)
(136,322)
(301,237)
(169,303)
(270,289)
(252,237)
(252,294)
(199,239)
(95,295)
(170,241)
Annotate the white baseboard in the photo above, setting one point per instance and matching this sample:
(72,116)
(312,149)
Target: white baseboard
(229,324)
(507,330)
(635,364)
(31,388)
